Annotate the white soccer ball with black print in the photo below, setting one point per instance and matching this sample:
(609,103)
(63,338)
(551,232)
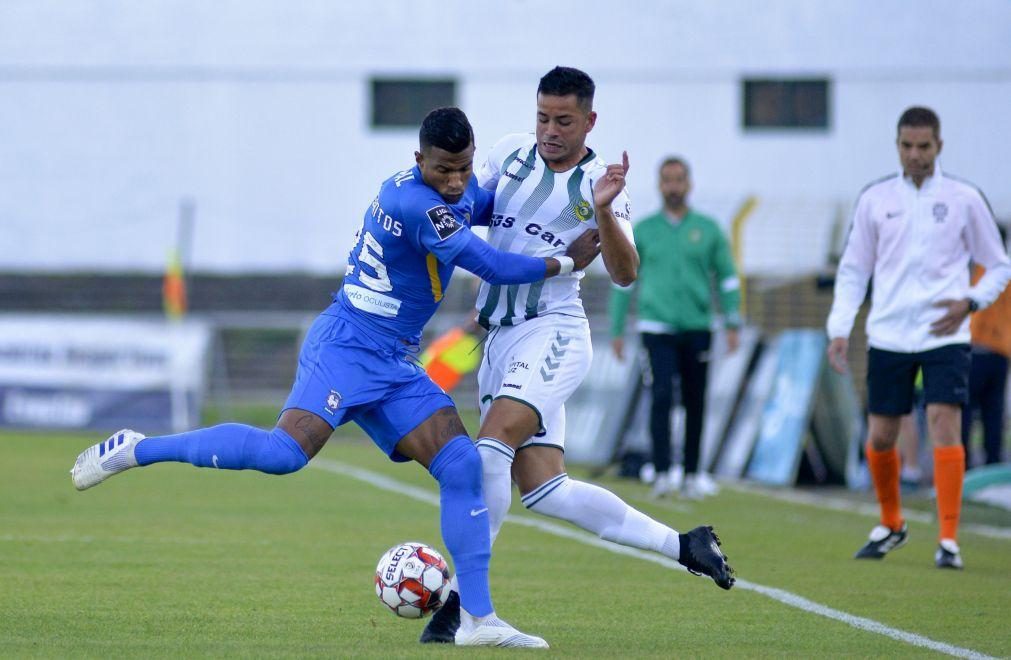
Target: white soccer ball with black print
(412,580)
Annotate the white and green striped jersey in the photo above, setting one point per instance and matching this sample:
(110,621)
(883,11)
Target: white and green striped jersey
(538,212)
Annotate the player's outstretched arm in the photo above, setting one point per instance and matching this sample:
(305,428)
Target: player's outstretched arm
(498,267)
(583,250)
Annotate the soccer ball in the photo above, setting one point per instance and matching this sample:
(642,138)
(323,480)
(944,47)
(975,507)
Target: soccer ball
(412,579)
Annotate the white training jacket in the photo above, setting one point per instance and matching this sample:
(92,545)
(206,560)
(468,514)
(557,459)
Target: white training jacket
(917,245)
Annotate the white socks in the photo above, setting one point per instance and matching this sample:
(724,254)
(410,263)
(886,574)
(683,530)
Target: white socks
(591,507)
(602,512)
(497,461)
(468,621)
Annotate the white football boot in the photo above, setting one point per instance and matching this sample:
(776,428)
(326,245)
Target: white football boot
(111,456)
(493,631)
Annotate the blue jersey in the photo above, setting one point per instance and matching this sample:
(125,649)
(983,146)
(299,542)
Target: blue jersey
(401,264)
(354,364)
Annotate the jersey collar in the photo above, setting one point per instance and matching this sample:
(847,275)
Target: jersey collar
(672,219)
(929,183)
(590,155)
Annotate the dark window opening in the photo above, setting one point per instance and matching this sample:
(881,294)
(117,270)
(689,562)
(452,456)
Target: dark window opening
(786,103)
(405,102)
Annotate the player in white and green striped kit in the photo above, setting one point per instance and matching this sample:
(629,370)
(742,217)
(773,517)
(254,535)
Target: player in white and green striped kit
(549,189)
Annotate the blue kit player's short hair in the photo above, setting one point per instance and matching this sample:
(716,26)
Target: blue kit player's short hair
(446,128)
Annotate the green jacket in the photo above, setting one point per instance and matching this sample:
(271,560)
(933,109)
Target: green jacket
(677,264)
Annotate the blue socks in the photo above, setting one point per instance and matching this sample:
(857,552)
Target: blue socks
(227,447)
(457,468)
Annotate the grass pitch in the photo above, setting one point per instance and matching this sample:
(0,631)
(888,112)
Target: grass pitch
(174,561)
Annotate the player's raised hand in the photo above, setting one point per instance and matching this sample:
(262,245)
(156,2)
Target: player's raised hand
(611,183)
(584,249)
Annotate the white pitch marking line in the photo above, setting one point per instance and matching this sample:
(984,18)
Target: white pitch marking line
(70,538)
(785,597)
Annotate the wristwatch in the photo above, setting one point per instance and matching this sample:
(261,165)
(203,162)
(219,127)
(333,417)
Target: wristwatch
(973,306)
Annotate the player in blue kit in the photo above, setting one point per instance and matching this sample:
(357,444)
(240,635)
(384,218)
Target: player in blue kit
(356,363)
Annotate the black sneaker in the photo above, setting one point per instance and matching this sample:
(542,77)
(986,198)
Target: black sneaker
(444,624)
(881,541)
(701,555)
(948,555)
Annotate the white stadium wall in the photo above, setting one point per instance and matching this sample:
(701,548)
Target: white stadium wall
(112,112)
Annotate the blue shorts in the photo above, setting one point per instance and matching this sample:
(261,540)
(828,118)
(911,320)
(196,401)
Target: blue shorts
(347,372)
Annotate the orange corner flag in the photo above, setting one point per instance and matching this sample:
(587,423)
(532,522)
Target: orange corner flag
(450,357)
(173,288)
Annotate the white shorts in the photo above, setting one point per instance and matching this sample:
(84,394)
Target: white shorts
(539,362)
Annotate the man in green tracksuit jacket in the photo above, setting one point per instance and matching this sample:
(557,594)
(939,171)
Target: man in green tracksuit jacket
(682,254)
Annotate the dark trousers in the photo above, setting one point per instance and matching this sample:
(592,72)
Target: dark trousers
(685,354)
(987,387)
